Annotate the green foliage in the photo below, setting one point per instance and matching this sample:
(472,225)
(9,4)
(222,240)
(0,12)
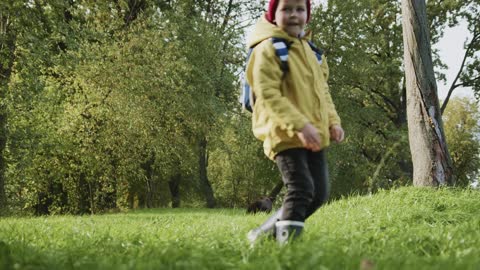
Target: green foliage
(114,105)
(242,170)
(363,45)
(462,132)
(107,103)
(399,229)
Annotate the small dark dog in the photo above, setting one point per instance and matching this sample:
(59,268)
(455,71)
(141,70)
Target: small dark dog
(263,204)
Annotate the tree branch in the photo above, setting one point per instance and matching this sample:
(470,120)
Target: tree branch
(226,18)
(469,82)
(454,84)
(388,102)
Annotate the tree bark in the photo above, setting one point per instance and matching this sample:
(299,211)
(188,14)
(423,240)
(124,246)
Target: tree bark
(432,165)
(205,185)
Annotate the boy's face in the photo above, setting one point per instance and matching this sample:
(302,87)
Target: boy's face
(291,16)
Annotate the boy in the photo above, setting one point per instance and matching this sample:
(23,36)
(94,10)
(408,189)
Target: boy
(293,115)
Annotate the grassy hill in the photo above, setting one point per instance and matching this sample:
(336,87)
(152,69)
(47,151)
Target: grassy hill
(406,228)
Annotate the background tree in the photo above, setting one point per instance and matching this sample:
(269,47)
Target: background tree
(242,171)
(125,104)
(364,46)
(362,42)
(430,156)
(112,104)
(7,47)
(462,131)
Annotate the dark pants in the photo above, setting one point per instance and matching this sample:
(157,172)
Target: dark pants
(305,175)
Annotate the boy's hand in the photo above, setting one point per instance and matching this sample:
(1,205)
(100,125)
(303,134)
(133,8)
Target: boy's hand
(309,137)
(336,133)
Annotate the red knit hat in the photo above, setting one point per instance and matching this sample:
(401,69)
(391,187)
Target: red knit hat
(272,8)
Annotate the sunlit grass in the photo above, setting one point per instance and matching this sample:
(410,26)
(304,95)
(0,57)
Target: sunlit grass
(408,228)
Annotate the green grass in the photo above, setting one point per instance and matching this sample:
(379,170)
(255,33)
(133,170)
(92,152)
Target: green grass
(407,228)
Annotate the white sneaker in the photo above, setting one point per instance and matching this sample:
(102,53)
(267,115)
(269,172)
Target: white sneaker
(253,236)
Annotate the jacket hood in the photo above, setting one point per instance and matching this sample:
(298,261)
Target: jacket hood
(265,30)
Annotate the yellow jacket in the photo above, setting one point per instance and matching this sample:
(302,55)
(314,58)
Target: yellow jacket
(284,104)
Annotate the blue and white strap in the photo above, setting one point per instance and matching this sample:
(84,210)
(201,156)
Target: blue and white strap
(281,50)
(317,51)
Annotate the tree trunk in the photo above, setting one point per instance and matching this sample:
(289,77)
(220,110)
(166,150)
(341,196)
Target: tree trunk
(8,45)
(3,141)
(147,167)
(276,190)
(432,165)
(83,195)
(174,186)
(205,185)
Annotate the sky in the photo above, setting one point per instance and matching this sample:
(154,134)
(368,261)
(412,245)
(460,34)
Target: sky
(451,52)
